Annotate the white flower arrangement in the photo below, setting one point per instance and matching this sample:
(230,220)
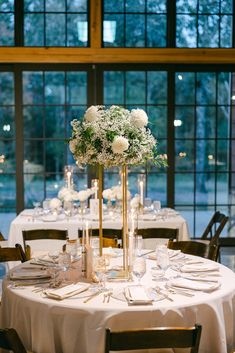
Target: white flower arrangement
(55,203)
(115,193)
(69,194)
(135,202)
(113,136)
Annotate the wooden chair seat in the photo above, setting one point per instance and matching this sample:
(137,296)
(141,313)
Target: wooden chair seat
(149,338)
(190,247)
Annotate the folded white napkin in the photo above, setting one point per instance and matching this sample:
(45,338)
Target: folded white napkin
(196,277)
(67,291)
(29,274)
(137,295)
(194,285)
(173,255)
(199,267)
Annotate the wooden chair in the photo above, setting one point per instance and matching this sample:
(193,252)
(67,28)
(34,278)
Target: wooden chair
(165,233)
(12,254)
(10,340)
(40,234)
(214,228)
(110,236)
(148,338)
(208,251)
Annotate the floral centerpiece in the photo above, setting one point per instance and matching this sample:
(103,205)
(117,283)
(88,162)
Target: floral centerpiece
(114,136)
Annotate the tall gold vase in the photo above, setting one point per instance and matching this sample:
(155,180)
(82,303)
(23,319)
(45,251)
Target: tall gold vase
(125,222)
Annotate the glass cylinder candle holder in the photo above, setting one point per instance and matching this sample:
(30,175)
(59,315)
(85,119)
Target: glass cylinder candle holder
(68,176)
(95,187)
(141,188)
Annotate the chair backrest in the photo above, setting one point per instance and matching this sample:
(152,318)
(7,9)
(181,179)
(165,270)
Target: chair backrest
(215,227)
(208,251)
(110,236)
(149,338)
(166,233)
(39,234)
(12,254)
(10,340)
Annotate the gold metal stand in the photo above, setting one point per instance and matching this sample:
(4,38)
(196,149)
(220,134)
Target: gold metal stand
(125,221)
(100,191)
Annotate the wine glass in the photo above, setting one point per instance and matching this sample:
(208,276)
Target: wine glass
(139,268)
(100,268)
(156,207)
(139,244)
(162,257)
(36,210)
(64,262)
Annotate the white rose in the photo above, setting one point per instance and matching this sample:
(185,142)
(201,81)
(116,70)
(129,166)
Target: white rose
(139,118)
(135,202)
(72,145)
(55,203)
(91,114)
(84,194)
(120,144)
(107,193)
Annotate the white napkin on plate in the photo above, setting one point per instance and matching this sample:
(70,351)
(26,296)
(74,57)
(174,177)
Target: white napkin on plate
(137,295)
(199,267)
(194,285)
(28,274)
(67,291)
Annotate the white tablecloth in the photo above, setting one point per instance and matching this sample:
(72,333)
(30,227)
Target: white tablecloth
(24,221)
(71,326)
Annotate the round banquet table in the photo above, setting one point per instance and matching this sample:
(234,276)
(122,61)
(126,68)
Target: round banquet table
(72,326)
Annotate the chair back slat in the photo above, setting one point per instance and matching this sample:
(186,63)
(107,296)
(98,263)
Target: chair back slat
(215,227)
(166,233)
(208,251)
(165,337)
(12,254)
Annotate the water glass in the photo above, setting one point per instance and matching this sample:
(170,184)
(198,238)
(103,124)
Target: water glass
(100,268)
(64,262)
(138,244)
(162,257)
(139,268)
(156,207)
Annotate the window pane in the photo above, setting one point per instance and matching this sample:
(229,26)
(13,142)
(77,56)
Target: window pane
(74,5)
(33,88)
(7,5)
(184,185)
(205,159)
(156,187)
(135,87)
(206,88)
(33,155)
(205,188)
(33,122)
(7,122)
(186,33)
(33,5)
(208,29)
(6,29)
(55,30)
(184,122)
(55,5)
(7,157)
(209,6)
(76,92)
(34,187)
(55,156)
(226,28)
(7,192)
(55,122)
(222,189)
(140,23)
(184,150)
(157,87)
(158,121)
(185,88)
(7,88)
(205,121)
(54,88)
(77,31)
(223,121)
(113,93)
(32,37)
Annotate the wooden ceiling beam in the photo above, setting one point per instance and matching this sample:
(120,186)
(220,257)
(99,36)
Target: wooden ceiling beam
(116,55)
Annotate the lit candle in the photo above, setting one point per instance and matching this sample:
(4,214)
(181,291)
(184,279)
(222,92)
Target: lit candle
(96,189)
(69,179)
(141,192)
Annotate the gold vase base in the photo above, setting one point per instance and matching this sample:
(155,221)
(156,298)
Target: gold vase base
(120,275)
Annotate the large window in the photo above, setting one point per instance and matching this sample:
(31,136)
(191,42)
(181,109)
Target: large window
(132,53)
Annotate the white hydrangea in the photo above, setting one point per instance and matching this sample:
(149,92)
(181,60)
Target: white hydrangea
(108,194)
(135,201)
(117,190)
(55,203)
(91,114)
(139,118)
(84,194)
(120,144)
